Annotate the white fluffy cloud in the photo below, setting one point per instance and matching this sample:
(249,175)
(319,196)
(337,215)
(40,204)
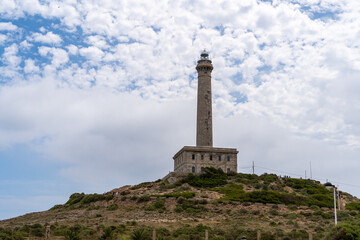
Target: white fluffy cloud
(115,96)
(7,26)
(49,38)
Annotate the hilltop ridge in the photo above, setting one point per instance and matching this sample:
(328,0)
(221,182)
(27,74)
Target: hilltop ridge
(227,205)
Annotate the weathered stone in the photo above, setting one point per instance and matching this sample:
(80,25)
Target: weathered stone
(258,204)
(303,207)
(270,204)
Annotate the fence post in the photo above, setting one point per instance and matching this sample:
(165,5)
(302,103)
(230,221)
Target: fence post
(206,235)
(310,236)
(154,235)
(258,235)
(47,232)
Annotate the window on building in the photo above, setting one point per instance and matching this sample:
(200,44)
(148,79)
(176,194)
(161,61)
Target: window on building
(228,158)
(219,158)
(202,170)
(193,157)
(211,157)
(193,169)
(202,157)
(228,170)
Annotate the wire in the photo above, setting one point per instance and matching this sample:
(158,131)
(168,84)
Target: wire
(294,174)
(244,167)
(279,171)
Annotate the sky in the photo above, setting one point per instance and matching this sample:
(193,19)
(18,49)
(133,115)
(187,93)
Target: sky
(95,95)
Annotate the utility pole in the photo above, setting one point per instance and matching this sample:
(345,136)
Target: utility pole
(335,205)
(305,174)
(253,168)
(310,171)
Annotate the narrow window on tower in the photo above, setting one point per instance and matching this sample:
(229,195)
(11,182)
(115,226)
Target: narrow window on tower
(210,157)
(228,170)
(193,157)
(219,158)
(202,157)
(202,170)
(193,169)
(228,158)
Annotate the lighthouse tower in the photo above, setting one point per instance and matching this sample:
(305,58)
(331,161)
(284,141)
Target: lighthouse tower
(204,108)
(194,159)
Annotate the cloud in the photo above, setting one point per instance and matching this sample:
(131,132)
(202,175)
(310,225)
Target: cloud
(115,95)
(58,56)
(94,128)
(49,38)
(7,26)
(3,38)
(30,66)
(92,53)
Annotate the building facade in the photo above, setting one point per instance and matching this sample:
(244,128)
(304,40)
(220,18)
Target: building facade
(195,159)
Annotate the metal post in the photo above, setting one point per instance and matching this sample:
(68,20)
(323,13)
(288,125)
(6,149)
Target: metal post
(338,197)
(335,206)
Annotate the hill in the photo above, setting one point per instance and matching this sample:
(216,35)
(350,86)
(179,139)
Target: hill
(228,206)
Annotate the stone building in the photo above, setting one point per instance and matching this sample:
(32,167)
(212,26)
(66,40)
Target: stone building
(195,159)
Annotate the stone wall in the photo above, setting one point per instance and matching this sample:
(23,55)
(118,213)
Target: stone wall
(195,159)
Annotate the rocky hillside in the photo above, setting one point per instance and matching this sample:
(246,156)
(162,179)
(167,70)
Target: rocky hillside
(228,206)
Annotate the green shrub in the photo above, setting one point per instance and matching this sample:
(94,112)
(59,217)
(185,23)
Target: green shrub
(345,231)
(144,184)
(268,178)
(87,198)
(108,233)
(178,209)
(243,211)
(109,197)
(112,207)
(248,179)
(158,205)
(140,234)
(57,206)
(145,198)
(72,235)
(75,198)
(273,212)
(189,206)
(177,195)
(353,206)
(232,192)
(310,186)
(211,178)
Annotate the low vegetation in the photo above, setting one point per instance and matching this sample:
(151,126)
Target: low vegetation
(222,202)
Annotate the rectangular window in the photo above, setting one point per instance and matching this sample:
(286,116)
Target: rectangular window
(211,157)
(202,157)
(193,157)
(219,158)
(228,158)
